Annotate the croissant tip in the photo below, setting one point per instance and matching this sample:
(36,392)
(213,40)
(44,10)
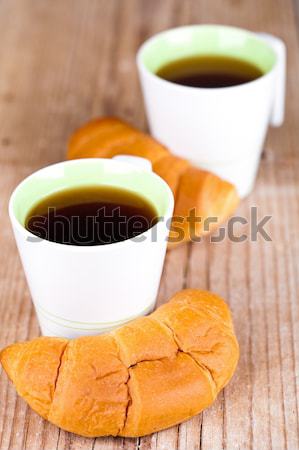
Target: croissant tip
(9,358)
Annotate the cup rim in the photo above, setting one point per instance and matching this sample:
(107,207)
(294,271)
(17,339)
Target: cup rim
(85,248)
(142,67)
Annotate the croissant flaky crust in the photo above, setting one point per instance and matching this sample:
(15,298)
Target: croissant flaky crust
(194,189)
(150,374)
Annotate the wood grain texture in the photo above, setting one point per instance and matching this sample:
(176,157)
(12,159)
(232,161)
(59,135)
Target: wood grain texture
(63,62)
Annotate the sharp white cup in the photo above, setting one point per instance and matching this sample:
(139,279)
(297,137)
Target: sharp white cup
(87,290)
(218,129)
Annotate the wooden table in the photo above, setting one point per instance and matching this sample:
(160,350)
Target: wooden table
(62,62)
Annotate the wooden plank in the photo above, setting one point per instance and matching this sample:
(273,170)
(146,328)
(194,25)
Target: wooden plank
(64,62)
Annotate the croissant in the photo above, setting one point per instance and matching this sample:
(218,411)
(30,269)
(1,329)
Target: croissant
(196,191)
(150,374)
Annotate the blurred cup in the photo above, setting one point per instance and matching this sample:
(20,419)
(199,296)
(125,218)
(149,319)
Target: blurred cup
(218,129)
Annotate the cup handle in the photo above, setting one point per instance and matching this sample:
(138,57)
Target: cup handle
(136,161)
(279,48)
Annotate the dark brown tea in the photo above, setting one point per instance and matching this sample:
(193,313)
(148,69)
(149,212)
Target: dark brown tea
(91,215)
(209,71)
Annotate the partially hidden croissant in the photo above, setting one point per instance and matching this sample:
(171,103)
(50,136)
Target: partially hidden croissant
(212,199)
(150,374)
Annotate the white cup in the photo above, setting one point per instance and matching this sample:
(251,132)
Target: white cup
(88,290)
(218,129)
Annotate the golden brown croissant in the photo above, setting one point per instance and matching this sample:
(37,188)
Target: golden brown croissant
(109,136)
(194,189)
(150,374)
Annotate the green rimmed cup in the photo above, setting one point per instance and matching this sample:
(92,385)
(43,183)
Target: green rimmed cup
(218,129)
(88,290)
